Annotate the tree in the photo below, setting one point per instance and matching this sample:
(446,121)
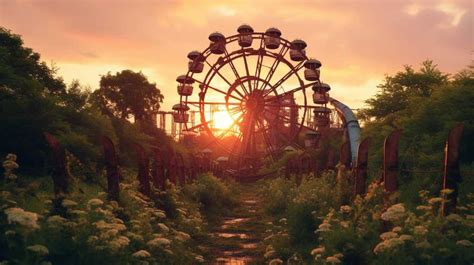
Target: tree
(128,93)
(21,70)
(397,90)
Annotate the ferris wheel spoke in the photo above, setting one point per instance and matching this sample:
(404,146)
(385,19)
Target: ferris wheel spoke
(285,77)
(274,66)
(265,136)
(258,67)
(216,89)
(291,91)
(197,103)
(223,78)
(234,69)
(246,69)
(286,119)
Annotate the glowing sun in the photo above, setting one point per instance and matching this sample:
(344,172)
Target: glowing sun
(222,120)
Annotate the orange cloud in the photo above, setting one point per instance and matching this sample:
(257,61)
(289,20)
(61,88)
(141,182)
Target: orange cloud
(357,41)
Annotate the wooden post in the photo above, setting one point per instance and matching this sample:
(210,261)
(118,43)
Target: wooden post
(180,168)
(143,169)
(452,174)
(330,160)
(61,175)
(158,172)
(360,169)
(111,165)
(345,155)
(390,161)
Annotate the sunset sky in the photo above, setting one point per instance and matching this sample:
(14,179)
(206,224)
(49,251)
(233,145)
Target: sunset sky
(357,41)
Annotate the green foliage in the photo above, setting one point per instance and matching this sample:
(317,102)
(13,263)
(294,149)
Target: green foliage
(128,93)
(92,230)
(213,196)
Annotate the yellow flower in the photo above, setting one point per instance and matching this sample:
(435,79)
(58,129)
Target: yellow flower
(275,262)
(141,254)
(388,235)
(333,260)
(435,200)
(319,250)
(465,243)
(22,217)
(39,250)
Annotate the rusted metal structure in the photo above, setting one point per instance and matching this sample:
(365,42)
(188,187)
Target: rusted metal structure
(111,166)
(390,161)
(61,176)
(269,88)
(143,169)
(452,174)
(360,168)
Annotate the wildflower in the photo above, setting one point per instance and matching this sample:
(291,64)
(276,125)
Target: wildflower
(39,250)
(406,237)
(388,235)
(319,250)
(283,220)
(10,233)
(333,260)
(338,255)
(141,254)
(119,242)
(381,247)
(69,203)
(465,243)
(169,251)
(435,200)
(77,212)
(270,254)
(92,239)
(423,193)
(159,241)
(397,229)
(324,227)
(424,208)
(420,230)
(345,224)
(93,203)
(182,236)
(199,258)
(423,244)
(163,227)
(454,217)
(345,209)
(22,217)
(56,220)
(446,191)
(134,237)
(393,213)
(275,262)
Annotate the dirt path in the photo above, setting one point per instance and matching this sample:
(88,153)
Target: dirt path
(237,241)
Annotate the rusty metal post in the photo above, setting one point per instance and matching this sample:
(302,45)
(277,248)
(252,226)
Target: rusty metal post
(180,167)
(143,169)
(452,174)
(360,169)
(111,165)
(390,161)
(345,155)
(158,172)
(61,175)
(330,160)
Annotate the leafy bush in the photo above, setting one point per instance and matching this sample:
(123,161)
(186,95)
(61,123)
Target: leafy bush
(214,196)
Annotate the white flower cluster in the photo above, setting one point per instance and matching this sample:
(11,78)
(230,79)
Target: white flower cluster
(394,213)
(22,217)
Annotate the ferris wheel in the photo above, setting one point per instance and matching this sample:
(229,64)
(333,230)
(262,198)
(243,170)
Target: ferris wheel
(265,87)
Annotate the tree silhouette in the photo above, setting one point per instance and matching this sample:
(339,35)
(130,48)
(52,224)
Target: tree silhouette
(128,93)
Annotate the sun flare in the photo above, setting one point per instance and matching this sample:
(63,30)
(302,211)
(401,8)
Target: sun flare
(222,120)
